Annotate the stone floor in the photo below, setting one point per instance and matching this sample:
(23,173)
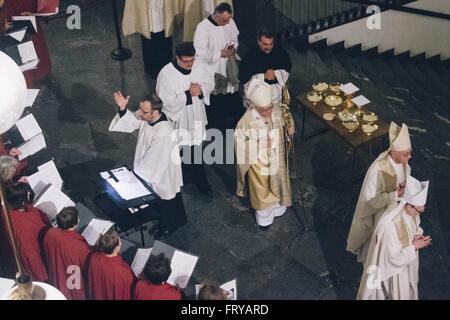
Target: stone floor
(75,108)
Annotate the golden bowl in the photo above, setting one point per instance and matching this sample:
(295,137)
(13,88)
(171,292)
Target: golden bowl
(368,129)
(370,118)
(314,97)
(320,87)
(336,88)
(333,101)
(351,126)
(329,116)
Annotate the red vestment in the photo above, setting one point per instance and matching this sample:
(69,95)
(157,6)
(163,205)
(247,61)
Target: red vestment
(29,229)
(145,290)
(109,278)
(64,251)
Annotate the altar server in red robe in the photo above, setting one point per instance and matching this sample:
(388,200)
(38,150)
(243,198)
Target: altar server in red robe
(29,227)
(66,252)
(109,277)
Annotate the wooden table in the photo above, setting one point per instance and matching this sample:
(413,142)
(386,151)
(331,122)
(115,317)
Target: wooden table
(355,139)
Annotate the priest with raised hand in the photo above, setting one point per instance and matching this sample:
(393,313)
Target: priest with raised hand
(65,253)
(391,271)
(184,86)
(109,277)
(267,62)
(383,186)
(261,156)
(157,159)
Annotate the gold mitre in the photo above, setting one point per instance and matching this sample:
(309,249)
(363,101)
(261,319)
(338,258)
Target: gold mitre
(260,93)
(399,137)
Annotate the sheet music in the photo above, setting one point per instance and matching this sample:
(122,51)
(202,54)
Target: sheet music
(28,127)
(361,101)
(47,174)
(230,287)
(349,88)
(32,146)
(140,260)
(182,265)
(128,187)
(32,19)
(31,97)
(27,51)
(29,65)
(95,229)
(5,286)
(51,201)
(18,34)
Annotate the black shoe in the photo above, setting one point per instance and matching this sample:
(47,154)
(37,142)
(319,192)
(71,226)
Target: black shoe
(264,228)
(162,235)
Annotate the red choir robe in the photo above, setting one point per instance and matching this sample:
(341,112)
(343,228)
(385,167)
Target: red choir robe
(29,229)
(15,8)
(145,290)
(5,152)
(109,278)
(63,249)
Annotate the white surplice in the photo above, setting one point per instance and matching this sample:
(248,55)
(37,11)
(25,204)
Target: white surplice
(391,271)
(157,159)
(190,120)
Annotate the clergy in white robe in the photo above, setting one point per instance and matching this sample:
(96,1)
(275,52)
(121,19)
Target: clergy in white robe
(154,20)
(391,271)
(216,43)
(157,159)
(262,169)
(383,186)
(184,86)
(267,62)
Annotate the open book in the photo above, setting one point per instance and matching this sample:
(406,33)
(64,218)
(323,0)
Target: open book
(230,287)
(95,229)
(51,201)
(46,174)
(31,133)
(125,182)
(182,263)
(25,21)
(31,97)
(24,55)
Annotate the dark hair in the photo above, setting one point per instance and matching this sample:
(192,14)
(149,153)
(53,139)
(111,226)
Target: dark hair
(185,49)
(155,101)
(19,195)
(224,7)
(158,270)
(108,242)
(67,218)
(265,33)
(212,291)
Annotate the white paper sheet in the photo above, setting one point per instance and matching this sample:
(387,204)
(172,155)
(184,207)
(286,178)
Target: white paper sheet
(182,265)
(51,201)
(5,285)
(95,229)
(47,174)
(32,146)
(28,127)
(27,52)
(25,18)
(18,34)
(31,97)
(140,260)
(29,65)
(361,101)
(128,187)
(349,88)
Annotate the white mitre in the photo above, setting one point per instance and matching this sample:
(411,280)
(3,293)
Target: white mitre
(416,192)
(399,138)
(260,93)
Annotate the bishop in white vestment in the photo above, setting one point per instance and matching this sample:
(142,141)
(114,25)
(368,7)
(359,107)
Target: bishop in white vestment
(391,271)
(383,186)
(157,159)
